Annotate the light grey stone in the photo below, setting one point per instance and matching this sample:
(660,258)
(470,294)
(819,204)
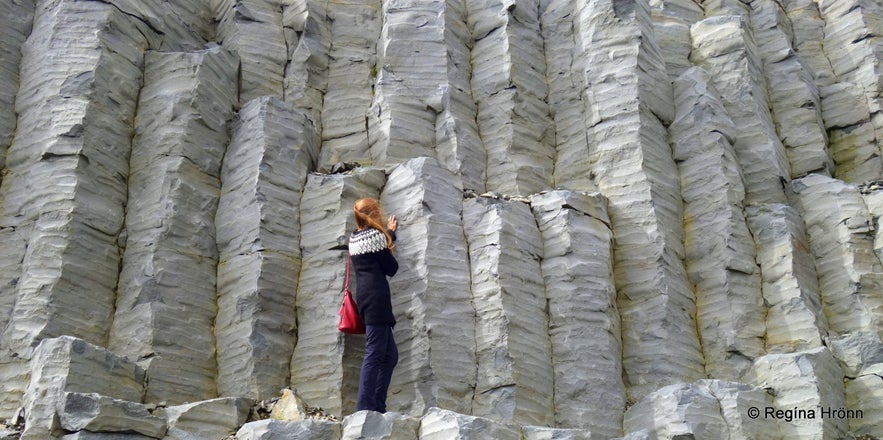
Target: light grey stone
(259,195)
(629,97)
(441,424)
(307,32)
(584,327)
(253,30)
(97,413)
(736,402)
(167,294)
(513,350)
(793,95)
(808,36)
(459,146)
(325,364)
(510,88)
(864,400)
(546,433)
(856,351)
(850,45)
(371,425)
(89,435)
(724,46)
(70,365)
(566,85)
(873,197)
(803,383)
(167,290)
(726,7)
(671,26)
(184,108)
(839,229)
(795,319)
(255,323)
(278,430)
(258,240)
(215,418)
(642,434)
(63,192)
(431,298)
(180,25)
(678,411)
(410,66)
(17,21)
(352,72)
(720,252)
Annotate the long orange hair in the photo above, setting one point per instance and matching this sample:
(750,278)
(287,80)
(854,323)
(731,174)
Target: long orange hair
(369,215)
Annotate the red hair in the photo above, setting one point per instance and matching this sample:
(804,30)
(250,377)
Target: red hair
(369,215)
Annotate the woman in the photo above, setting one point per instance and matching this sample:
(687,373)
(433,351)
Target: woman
(371,251)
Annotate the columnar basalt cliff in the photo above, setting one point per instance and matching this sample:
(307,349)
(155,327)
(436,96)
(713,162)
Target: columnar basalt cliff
(630,219)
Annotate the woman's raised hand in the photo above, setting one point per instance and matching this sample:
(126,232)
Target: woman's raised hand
(392,223)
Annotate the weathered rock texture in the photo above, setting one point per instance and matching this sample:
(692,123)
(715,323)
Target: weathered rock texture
(617,218)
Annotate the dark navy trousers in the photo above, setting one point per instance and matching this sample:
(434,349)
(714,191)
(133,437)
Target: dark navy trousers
(381,357)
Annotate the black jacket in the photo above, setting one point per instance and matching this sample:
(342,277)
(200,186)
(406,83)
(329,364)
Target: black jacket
(372,262)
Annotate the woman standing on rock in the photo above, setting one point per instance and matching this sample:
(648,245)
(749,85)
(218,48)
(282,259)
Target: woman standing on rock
(371,251)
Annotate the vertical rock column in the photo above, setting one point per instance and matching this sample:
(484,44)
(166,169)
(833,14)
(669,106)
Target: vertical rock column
(515,379)
(794,320)
(63,196)
(431,293)
(458,144)
(253,30)
(423,104)
(18,18)
(308,38)
(584,324)
(181,25)
(845,109)
(566,101)
(724,47)
(840,231)
(411,63)
(166,303)
(326,363)
(720,254)
(852,44)
(354,32)
(67,365)
(15,26)
(509,85)
(803,381)
(258,235)
(671,25)
(793,95)
(630,96)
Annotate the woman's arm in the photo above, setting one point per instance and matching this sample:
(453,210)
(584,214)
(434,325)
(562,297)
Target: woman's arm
(388,263)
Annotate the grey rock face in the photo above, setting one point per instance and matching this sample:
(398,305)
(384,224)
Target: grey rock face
(512,348)
(278,430)
(68,365)
(437,330)
(73,135)
(97,413)
(583,318)
(618,218)
(729,310)
(215,418)
(257,245)
(169,267)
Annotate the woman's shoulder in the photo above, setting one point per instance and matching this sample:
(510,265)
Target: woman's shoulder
(367,241)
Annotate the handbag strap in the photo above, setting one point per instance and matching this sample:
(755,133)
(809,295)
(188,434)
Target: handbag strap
(346,285)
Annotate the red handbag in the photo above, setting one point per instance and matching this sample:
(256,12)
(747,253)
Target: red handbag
(350,322)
